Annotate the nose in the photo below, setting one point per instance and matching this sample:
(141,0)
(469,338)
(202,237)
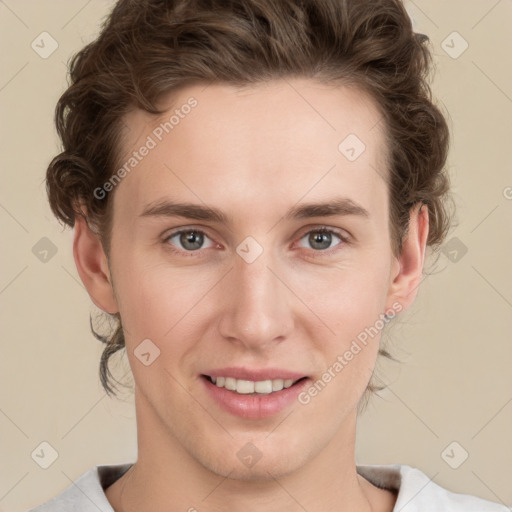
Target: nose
(257,307)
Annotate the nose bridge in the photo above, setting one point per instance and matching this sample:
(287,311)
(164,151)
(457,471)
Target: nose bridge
(257,310)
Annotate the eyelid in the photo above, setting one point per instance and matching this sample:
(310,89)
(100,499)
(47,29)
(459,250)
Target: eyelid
(177,231)
(345,238)
(344,235)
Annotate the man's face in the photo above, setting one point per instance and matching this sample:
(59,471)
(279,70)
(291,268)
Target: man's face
(262,289)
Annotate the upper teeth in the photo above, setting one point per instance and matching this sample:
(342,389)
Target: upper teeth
(249,386)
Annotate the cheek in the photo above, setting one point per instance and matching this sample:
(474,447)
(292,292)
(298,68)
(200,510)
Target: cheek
(348,303)
(159,305)
(348,348)
(344,300)
(159,302)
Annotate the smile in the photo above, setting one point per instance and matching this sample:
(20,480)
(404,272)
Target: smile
(246,387)
(253,399)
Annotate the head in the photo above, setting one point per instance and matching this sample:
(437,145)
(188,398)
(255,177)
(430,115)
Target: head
(254,114)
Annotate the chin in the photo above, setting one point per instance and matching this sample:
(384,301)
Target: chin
(262,471)
(255,461)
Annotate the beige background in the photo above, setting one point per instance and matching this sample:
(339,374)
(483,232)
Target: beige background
(456,340)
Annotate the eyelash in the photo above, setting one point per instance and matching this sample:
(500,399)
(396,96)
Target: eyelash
(319,253)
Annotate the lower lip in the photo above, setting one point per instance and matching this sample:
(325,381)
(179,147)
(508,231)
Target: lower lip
(254,406)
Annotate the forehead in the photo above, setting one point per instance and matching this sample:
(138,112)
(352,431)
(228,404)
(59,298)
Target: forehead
(272,142)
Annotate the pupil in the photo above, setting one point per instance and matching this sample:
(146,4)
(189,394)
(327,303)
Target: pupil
(320,240)
(191,240)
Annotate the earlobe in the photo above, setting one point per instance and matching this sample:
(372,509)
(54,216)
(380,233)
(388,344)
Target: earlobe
(404,286)
(92,266)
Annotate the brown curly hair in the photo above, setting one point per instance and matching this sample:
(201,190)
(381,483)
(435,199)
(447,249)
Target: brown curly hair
(147,48)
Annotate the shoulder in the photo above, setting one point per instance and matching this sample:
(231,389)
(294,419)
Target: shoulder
(86,493)
(416,492)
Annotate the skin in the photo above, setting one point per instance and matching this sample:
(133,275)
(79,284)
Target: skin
(253,153)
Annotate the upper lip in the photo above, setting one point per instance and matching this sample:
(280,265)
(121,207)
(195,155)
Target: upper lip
(254,374)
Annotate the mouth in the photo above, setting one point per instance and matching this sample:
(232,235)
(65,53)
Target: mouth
(251,387)
(253,393)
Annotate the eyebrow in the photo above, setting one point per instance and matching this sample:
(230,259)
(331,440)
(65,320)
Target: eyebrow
(336,206)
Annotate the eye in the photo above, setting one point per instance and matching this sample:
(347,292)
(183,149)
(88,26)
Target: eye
(189,240)
(322,239)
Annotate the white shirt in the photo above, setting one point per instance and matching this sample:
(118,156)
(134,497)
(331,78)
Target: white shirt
(416,492)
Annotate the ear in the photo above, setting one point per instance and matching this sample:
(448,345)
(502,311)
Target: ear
(404,287)
(92,266)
